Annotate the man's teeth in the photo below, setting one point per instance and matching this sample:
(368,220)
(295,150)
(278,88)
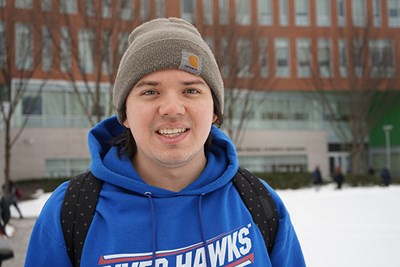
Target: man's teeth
(172,131)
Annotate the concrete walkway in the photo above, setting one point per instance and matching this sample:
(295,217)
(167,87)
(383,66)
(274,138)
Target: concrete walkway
(19,241)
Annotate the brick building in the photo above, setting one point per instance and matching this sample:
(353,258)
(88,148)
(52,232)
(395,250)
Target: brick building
(299,69)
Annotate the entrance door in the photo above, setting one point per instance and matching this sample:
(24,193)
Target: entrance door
(339,159)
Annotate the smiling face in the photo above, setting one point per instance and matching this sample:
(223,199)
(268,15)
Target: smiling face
(169,114)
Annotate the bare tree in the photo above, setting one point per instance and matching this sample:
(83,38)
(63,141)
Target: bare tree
(90,46)
(355,95)
(243,58)
(18,64)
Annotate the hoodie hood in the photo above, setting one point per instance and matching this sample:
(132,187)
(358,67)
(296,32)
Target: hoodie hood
(221,165)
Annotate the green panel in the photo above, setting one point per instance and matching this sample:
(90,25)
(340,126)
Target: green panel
(391,116)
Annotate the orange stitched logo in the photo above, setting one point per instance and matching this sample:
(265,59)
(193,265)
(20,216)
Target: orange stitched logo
(194,61)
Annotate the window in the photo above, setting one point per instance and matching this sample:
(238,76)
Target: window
(106,61)
(323,12)
(47,49)
(32,104)
(381,58)
(225,60)
(3,3)
(86,45)
(302,13)
(358,13)
(55,105)
(377,12)
(23,46)
(275,109)
(144,10)
(187,10)
(283,12)
(282,57)
(208,12)
(46,5)
(343,57)
(65,50)
(25,4)
(223,7)
(210,42)
(122,43)
(264,12)
(244,57)
(68,6)
(160,8)
(89,8)
(358,47)
(106,11)
(298,110)
(125,9)
(341,12)
(393,13)
(324,58)
(263,57)
(303,51)
(62,168)
(3,47)
(243,12)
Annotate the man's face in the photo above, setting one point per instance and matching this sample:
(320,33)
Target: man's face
(169,114)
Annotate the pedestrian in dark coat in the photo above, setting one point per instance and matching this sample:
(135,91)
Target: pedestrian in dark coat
(13,197)
(338,177)
(317,178)
(386,177)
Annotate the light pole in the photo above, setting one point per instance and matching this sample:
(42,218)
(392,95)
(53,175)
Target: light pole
(387,128)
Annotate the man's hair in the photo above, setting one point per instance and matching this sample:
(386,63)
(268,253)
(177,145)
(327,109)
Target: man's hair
(126,145)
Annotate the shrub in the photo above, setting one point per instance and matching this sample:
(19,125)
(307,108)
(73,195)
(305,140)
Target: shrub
(287,180)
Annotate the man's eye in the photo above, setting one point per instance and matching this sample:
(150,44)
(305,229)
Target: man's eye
(149,92)
(191,91)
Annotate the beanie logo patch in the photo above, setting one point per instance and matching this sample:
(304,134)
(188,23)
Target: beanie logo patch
(190,63)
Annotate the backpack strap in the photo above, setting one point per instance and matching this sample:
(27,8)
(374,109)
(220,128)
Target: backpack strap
(259,201)
(77,212)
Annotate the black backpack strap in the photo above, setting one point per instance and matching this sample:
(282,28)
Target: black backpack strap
(259,201)
(77,212)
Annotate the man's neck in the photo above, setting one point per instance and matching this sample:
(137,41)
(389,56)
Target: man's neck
(170,178)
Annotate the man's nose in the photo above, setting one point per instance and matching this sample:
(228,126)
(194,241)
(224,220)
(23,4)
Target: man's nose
(172,105)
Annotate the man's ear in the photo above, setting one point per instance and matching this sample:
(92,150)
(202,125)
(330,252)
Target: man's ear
(215,117)
(126,123)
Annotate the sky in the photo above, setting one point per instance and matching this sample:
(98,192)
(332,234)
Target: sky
(346,228)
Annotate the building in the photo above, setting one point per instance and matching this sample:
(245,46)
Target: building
(298,67)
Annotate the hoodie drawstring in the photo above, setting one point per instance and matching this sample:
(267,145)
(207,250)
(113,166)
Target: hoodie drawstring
(203,234)
(154,228)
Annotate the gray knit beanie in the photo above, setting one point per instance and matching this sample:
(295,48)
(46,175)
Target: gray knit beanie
(166,43)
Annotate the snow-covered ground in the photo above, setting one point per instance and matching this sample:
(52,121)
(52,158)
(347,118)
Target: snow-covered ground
(346,228)
(349,227)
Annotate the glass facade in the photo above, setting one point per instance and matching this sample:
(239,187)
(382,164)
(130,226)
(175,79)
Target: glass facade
(65,168)
(50,107)
(294,163)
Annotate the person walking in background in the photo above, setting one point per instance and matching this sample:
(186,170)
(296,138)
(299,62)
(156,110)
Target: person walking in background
(386,177)
(14,195)
(167,196)
(317,178)
(338,177)
(6,251)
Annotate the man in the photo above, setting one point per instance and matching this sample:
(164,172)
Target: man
(167,197)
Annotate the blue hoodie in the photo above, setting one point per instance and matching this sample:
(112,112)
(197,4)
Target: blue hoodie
(136,223)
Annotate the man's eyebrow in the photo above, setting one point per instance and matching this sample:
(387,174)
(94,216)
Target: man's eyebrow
(144,83)
(196,81)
